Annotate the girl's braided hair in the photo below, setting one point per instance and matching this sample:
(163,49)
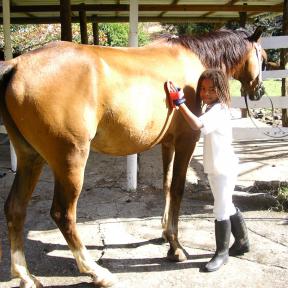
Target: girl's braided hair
(220,82)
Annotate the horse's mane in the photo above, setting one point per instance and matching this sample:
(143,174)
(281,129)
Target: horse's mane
(218,49)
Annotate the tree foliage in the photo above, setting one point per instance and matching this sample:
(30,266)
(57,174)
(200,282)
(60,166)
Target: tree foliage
(28,37)
(118,34)
(188,28)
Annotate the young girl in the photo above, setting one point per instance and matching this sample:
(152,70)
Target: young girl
(219,161)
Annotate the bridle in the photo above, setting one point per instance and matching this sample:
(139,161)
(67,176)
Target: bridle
(259,87)
(258,49)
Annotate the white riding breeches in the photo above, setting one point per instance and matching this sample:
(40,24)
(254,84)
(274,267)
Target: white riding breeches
(222,187)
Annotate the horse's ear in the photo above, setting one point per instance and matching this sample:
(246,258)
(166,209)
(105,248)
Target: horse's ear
(257,33)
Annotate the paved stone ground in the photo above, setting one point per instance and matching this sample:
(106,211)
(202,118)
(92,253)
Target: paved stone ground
(123,230)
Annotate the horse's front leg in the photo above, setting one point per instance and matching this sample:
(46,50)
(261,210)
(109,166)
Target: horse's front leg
(168,152)
(69,177)
(183,152)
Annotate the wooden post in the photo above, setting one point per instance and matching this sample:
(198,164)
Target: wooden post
(83,24)
(8,54)
(133,23)
(242,23)
(284,62)
(95,29)
(65,18)
(243,17)
(133,42)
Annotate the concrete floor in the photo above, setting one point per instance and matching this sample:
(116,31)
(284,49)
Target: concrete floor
(122,230)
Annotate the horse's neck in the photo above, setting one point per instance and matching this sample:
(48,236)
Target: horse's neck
(215,57)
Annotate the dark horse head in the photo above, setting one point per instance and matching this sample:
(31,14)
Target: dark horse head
(237,53)
(250,74)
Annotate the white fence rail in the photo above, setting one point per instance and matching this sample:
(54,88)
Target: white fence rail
(264,102)
(274,42)
(254,129)
(2,129)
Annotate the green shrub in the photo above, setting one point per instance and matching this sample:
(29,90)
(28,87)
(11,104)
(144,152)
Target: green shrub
(117,35)
(28,37)
(282,198)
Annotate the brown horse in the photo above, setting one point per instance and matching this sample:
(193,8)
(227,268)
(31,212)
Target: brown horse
(59,101)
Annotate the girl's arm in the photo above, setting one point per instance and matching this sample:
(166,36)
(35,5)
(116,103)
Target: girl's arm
(177,100)
(192,119)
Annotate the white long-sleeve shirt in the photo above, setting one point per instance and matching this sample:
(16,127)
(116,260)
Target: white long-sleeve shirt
(218,154)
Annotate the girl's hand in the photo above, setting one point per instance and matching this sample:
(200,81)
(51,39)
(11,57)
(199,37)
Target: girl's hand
(176,95)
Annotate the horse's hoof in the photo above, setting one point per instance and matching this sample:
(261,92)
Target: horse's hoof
(32,283)
(106,279)
(176,256)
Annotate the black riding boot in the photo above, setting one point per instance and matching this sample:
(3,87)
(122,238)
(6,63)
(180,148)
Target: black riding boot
(222,235)
(239,231)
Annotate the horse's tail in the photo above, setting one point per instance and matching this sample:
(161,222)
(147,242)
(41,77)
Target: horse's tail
(6,72)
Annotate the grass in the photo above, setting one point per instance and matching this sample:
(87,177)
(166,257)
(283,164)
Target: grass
(277,189)
(272,87)
(282,198)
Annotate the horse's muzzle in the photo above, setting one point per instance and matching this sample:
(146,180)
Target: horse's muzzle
(259,92)
(255,94)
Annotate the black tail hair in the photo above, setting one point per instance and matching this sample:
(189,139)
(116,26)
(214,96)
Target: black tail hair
(6,73)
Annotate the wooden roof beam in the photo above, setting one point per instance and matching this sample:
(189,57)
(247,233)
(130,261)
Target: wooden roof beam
(152,8)
(113,19)
(12,3)
(255,14)
(226,4)
(174,2)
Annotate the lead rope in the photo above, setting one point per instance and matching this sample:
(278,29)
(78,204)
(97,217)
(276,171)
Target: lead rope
(284,134)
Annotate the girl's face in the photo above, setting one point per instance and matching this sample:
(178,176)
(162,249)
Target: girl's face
(208,92)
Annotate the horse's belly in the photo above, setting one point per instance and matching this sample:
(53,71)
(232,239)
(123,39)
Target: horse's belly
(131,136)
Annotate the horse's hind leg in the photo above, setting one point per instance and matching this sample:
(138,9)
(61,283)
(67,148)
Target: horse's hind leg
(29,167)
(183,153)
(69,177)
